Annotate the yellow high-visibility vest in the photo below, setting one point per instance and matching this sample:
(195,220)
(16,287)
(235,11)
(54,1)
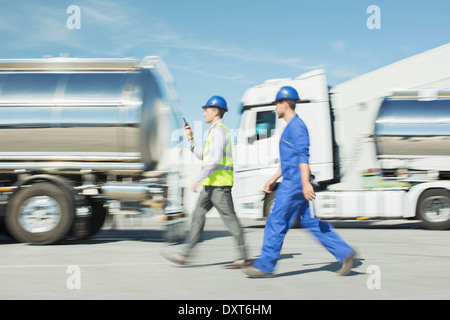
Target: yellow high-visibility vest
(222,176)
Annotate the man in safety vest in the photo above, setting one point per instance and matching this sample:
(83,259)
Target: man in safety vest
(217,180)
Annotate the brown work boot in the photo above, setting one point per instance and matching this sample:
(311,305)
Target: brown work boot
(347,265)
(252,272)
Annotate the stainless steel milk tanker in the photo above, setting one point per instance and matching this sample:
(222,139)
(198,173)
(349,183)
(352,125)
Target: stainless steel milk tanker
(413,129)
(97,114)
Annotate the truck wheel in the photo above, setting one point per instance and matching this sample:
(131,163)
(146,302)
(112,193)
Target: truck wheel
(39,214)
(99,213)
(95,222)
(433,208)
(268,204)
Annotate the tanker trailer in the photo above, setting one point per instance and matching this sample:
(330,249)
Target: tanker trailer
(412,136)
(408,129)
(80,138)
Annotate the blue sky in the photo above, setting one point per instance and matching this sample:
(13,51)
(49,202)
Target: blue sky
(224,47)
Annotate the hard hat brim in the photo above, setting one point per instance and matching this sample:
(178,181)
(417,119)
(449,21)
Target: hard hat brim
(294,100)
(204,107)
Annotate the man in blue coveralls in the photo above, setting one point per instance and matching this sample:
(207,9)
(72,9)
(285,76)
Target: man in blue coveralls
(293,195)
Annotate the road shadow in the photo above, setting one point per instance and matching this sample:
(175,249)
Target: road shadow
(358,224)
(223,263)
(327,266)
(116,235)
(376,224)
(106,236)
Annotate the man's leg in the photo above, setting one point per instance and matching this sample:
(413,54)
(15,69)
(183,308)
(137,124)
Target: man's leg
(277,225)
(324,232)
(223,202)
(204,204)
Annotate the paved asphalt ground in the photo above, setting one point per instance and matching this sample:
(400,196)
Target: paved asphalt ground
(396,260)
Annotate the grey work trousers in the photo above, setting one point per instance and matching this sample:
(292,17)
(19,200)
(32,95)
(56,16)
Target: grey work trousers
(221,199)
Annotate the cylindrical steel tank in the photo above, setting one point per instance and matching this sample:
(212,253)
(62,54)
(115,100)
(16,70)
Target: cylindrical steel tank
(413,128)
(112,114)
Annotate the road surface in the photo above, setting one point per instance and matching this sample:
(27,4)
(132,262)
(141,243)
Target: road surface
(396,260)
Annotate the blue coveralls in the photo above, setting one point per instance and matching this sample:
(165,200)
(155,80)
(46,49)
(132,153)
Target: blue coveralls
(290,203)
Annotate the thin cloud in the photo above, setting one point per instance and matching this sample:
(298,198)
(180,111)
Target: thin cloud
(118,29)
(240,78)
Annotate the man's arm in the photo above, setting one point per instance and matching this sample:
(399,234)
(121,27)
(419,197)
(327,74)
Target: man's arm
(302,148)
(308,190)
(271,183)
(198,151)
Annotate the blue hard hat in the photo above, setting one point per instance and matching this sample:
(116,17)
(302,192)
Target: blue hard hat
(216,102)
(287,92)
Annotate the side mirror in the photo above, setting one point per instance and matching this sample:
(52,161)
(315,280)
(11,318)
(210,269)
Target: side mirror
(251,139)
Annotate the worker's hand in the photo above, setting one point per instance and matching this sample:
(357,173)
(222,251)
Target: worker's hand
(188,132)
(308,191)
(269,186)
(196,186)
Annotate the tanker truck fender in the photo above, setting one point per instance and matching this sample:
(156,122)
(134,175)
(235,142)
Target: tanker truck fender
(59,181)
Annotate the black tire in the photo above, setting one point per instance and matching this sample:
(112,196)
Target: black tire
(57,201)
(433,208)
(268,204)
(268,201)
(98,218)
(95,222)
